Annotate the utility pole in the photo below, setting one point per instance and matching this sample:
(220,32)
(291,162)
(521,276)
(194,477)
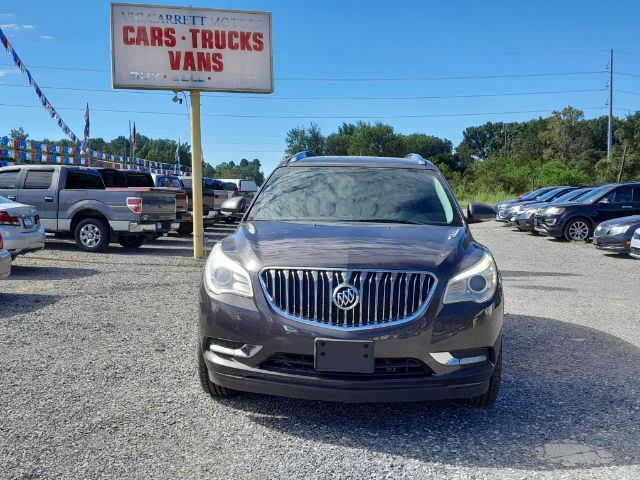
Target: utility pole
(610,126)
(196,172)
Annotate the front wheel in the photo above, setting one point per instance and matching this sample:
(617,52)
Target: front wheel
(578,230)
(207,385)
(132,241)
(92,235)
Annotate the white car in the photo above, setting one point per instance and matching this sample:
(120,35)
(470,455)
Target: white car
(20,228)
(635,244)
(5,261)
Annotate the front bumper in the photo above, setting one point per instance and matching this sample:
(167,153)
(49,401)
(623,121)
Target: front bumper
(155,227)
(612,243)
(18,242)
(634,251)
(5,264)
(440,329)
(524,222)
(547,225)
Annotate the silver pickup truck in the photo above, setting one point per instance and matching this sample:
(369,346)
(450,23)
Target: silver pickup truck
(74,200)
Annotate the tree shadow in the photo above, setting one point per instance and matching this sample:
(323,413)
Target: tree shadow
(567,401)
(12,304)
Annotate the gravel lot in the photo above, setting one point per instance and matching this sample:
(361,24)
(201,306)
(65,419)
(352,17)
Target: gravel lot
(98,379)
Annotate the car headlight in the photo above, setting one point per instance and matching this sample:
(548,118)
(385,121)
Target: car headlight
(518,209)
(531,210)
(223,275)
(554,210)
(475,284)
(618,230)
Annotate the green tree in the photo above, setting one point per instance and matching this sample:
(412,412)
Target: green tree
(377,140)
(18,134)
(310,139)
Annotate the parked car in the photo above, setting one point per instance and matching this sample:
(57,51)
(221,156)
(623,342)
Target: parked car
(247,188)
(5,261)
(577,220)
(74,199)
(518,207)
(243,188)
(501,214)
(524,220)
(20,228)
(214,192)
(144,180)
(635,244)
(615,235)
(338,285)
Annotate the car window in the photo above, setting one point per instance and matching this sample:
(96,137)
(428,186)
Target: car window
(5,200)
(231,186)
(38,180)
(355,194)
(550,194)
(623,194)
(9,179)
(636,194)
(83,180)
(186,182)
(173,182)
(596,195)
(113,178)
(141,179)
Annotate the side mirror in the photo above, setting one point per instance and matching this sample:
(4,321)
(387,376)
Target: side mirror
(234,205)
(479,212)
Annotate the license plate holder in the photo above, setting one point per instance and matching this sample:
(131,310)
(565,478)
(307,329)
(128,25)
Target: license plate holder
(346,356)
(27,222)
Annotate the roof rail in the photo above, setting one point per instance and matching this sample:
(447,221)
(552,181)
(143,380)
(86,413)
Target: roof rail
(297,156)
(417,157)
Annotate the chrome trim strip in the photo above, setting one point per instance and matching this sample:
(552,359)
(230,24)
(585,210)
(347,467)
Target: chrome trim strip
(422,307)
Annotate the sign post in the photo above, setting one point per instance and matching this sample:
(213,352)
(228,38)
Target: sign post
(194,49)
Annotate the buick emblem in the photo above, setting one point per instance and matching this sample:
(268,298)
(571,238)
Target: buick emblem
(345,296)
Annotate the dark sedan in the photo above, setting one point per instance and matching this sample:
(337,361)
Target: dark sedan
(615,235)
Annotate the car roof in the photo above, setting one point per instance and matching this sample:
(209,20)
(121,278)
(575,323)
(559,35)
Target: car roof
(411,161)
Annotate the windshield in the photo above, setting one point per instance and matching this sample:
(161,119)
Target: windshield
(572,196)
(595,194)
(533,195)
(355,194)
(550,194)
(173,182)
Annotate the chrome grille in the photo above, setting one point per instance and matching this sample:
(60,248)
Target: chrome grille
(385,296)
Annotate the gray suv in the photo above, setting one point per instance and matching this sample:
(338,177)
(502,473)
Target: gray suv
(353,279)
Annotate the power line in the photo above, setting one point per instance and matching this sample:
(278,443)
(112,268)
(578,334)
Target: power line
(272,98)
(367,79)
(304,117)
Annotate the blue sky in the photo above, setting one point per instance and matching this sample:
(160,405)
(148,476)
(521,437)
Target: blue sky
(401,40)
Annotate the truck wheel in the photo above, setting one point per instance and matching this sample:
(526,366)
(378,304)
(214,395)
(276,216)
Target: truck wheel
(132,241)
(207,385)
(185,228)
(92,235)
(578,230)
(487,399)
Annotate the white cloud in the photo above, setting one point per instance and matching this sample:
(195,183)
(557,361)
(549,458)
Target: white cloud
(16,27)
(7,15)
(4,71)
(47,37)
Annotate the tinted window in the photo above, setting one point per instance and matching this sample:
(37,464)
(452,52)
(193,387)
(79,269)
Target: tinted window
(596,194)
(9,179)
(551,194)
(624,194)
(355,194)
(38,179)
(135,179)
(83,180)
(636,194)
(186,182)
(173,182)
(113,178)
(231,186)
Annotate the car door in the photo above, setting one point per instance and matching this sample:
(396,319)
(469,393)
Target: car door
(636,200)
(9,180)
(617,203)
(38,190)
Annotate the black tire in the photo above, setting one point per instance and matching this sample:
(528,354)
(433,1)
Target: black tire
(215,391)
(92,235)
(185,228)
(487,399)
(576,229)
(132,241)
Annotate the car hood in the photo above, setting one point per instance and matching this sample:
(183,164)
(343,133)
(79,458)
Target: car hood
(441,249)
(632,220)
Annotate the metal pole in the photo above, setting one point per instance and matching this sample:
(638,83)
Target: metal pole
(196,172)
(610,125)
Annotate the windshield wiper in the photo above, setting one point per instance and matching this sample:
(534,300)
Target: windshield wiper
(384,220)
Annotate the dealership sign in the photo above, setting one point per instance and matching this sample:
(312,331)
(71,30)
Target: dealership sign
(180,48)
